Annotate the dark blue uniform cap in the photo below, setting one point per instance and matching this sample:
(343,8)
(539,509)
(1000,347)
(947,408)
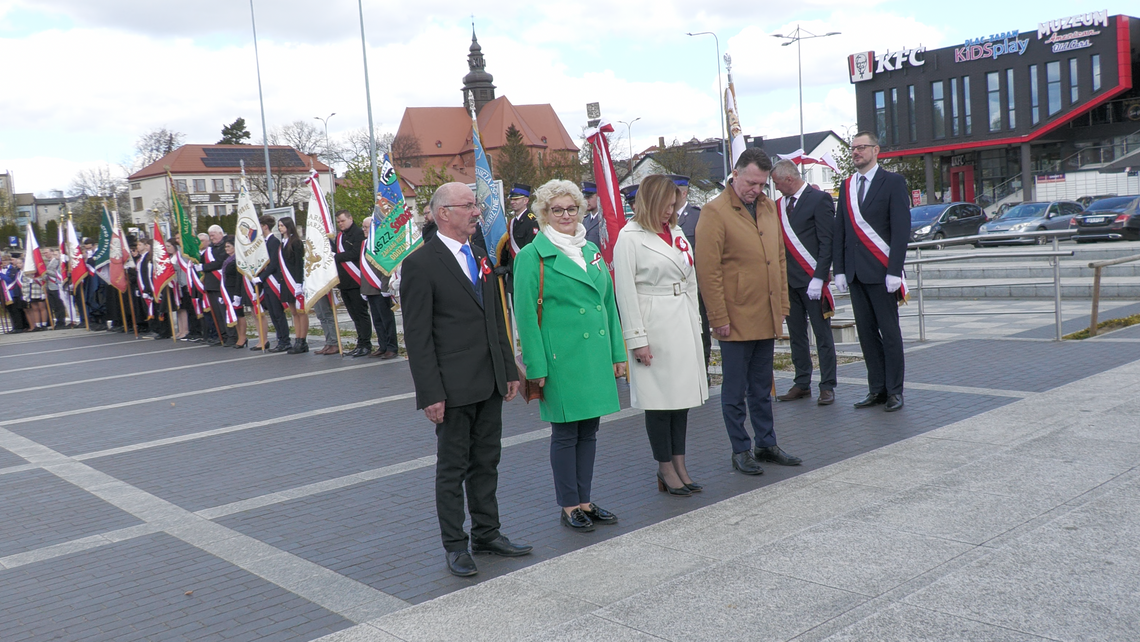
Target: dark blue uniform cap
(520,190)
(589,189)
(679,180)
(630,193)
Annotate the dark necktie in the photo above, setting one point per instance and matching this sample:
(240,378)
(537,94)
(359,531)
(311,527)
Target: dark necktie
(862,188)
(791,204)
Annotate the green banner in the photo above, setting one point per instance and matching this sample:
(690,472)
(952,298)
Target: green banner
(185,230)
(102,254)
(393,235)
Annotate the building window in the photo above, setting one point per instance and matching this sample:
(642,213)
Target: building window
(219,210)
(938,102)
(199,184)
(954,107)
(1009,98)
(180,185)
(135,186)
(1053,86)
(201,210)
(993,96)
(910,113)
(895,115)
(1034,100)
(219,184)
(1096,72)
(966,105)
(1074,94)
(881,116)
(235,185)
(136,204)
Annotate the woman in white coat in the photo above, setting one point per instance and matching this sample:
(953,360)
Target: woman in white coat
(657,298)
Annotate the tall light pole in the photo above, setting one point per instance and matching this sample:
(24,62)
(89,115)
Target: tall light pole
(261,99)
(720,95)
(332,177)
(629,135)
(796,36)
(368,96)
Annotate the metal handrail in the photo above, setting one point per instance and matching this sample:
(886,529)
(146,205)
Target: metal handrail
(1098,266)
(969,240)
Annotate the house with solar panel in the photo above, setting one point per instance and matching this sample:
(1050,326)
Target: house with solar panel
(208,178)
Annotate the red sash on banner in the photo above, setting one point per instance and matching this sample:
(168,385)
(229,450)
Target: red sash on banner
(866,234)
(798,251)
(352,268)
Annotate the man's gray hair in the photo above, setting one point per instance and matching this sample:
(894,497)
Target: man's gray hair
(785,169)
(437,198)
(216,228)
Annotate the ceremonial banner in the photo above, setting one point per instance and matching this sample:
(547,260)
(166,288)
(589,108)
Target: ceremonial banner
(76,262)
(393,235)
(102,254)
(63,253)
(161,266)
(735,134)
(249,245)
(609,193)
(320,266)
(488,195)
(120,257)
(184,229)
(34,261)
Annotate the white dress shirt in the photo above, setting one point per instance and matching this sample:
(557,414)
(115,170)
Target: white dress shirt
(457,251)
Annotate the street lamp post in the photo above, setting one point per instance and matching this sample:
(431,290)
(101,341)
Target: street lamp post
(629,135)
(332,173)
(720,91)
(796,36)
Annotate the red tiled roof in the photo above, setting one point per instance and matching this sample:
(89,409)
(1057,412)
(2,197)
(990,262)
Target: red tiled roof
(192,159)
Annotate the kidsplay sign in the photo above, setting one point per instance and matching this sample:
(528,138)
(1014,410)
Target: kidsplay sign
(992,46)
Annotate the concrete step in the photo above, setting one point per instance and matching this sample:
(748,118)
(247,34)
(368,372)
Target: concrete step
(1085,252)
(1028,269)
(1112,287)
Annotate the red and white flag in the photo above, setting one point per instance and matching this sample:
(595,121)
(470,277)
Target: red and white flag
(76,261)
(120,257)
(34,263)
(609,192)
(161,267)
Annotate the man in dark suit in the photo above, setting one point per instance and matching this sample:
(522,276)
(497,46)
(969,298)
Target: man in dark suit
(349,238)
(463,368)
(871,235)
(592,220)
(271,277)
(807,217)
(687,217)
(212,259)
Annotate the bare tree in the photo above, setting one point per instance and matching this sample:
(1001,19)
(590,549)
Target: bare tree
(683,159)
(301,135)
(153,145)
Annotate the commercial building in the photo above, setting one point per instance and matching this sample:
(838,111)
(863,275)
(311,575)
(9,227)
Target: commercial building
(1010,115)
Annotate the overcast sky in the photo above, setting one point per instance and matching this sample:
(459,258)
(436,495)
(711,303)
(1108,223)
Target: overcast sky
(85,78)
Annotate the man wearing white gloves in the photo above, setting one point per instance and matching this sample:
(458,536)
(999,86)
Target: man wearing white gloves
(807,217)
(871,234)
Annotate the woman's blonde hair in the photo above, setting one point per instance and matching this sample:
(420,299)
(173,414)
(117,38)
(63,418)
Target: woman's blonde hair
(552,190)
(654,193)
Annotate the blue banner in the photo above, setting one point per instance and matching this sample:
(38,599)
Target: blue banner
(489,198)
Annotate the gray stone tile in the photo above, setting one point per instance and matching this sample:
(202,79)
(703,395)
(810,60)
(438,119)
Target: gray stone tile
(993,428)
(1053,481)
(902,623)
(854,556)
(731,602)
(1117,424)
(591,628)
(359,633)
(612,570)
(951,514)
(498,609)
(1062,446)
(1105,526)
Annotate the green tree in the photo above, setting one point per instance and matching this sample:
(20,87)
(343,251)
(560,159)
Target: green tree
(433,178)
(912,168)
(515,163)
(235,133)
(355,191)
(51,231)
(678,158)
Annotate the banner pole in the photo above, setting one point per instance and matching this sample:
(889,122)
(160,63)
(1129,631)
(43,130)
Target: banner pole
(506,318)
(217,328)
(83,305)
(336,324)
(257,309)
(122,310)
(170,313)
(134,320)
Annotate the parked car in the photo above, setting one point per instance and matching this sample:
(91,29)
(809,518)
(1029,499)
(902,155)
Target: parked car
(945,220)
(1085,201)
(1109,219)
(1001,209)
(1032,217)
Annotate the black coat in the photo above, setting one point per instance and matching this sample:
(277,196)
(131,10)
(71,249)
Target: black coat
(687,221)
(457,349)
(886,207)
(212,269)
(294,254)
(273,267)
(351,239)
(812,219)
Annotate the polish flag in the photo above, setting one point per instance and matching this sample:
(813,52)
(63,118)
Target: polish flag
(76,261)
(34,264)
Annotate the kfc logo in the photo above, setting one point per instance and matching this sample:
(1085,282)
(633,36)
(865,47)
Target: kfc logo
(861,66)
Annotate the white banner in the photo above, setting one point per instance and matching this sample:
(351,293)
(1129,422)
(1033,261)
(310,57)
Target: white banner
(249,244)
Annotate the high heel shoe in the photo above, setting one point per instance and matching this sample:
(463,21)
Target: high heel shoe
(663,487)
(694,487)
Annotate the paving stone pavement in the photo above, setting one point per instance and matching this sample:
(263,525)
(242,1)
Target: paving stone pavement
(160,491)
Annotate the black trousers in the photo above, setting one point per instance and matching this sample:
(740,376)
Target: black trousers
(746,392)
(468,449)
(226,334)
(802,311)
(277,316)
(358,311)
(880,337)
(667,429)
(384,319)
(58,312)
(572,449)
(706,333)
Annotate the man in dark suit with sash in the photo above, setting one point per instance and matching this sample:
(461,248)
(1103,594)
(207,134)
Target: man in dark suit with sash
(271,277)
(463,368)
(871,235)
(807,217)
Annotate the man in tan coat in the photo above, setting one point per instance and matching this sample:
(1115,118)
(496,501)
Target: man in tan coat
(742,275)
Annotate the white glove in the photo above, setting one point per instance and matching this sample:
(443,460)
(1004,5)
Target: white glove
(197,267)
(894,283)
(841,282)
(237,301)
(257,280)
(815,289)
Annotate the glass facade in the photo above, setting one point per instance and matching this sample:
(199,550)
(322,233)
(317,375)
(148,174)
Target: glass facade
(881,117)
(1034,96)
(993,100)
(1096,72)
(1074,93)
(1010,96)
(910,113)
(895,115)
(938,112)
(954,128)
(966,105)
(1053,86)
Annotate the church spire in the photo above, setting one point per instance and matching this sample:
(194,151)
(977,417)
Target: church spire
(477,81)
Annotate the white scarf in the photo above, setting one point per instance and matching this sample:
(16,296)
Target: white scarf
(571,246)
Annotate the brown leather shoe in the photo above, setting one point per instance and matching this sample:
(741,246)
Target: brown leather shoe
(327,350)
(826,397)
(377,352)
(795,393)
(389,355)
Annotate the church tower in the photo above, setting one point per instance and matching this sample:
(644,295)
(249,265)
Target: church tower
(477,81)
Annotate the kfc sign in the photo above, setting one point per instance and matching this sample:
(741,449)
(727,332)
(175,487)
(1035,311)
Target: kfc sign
(863,66)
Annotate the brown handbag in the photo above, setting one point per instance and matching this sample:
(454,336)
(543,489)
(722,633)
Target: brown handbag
(529,387)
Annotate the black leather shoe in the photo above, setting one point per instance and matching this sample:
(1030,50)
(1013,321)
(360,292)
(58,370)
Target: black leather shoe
(576,520)
(599,515)
(361,352)
(461,564)
(894,402)
(280,347)
(500,546)
(680,491)
(746,463)
(776,456)
(694,487)
(872,399)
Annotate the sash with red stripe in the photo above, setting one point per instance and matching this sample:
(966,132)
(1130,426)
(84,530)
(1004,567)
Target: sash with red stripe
(253,293)
(231,312)
(866,234)
(352,268)
(799,252)
(296,289)
(368,273)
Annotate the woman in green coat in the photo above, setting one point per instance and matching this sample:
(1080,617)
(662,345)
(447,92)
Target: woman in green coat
(576,351)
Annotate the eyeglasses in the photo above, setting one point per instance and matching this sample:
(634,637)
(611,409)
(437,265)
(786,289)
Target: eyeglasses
(861,148)
(559,211)
(463,206)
